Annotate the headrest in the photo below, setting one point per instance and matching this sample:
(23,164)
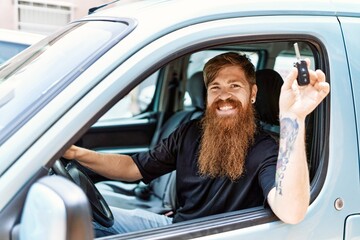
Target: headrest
(269,84)
(196,89)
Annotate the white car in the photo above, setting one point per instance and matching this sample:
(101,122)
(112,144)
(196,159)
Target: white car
(82,85)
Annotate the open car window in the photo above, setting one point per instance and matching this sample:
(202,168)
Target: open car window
(263,56)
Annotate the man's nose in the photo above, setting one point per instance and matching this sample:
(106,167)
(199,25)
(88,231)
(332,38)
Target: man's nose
(224,95)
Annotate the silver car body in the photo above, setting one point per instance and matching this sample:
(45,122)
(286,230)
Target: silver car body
(164,29)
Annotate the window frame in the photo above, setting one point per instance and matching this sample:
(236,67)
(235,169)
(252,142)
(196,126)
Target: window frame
(252,216)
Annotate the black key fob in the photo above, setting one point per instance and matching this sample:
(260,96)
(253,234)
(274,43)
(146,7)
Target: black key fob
(303,77)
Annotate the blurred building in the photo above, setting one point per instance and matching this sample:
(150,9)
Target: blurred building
(44,16)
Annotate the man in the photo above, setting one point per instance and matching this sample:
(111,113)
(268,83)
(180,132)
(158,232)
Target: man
(224,162)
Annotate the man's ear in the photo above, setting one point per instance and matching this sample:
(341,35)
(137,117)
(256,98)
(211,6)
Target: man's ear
(254,90)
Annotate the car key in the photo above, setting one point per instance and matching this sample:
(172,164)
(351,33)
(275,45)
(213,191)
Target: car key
(303,73)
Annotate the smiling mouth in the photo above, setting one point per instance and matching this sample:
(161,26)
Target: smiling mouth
(226,110)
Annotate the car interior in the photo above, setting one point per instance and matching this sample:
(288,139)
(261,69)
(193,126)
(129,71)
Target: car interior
(174,94)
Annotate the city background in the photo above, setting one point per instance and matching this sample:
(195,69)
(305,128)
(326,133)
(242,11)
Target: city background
(44,16)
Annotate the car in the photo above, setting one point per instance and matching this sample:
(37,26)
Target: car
(84,85)
(12,42)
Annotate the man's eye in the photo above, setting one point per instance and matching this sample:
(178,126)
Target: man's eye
(214,88)
(235,86)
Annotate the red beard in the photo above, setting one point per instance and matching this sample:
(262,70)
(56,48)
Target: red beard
(226,140)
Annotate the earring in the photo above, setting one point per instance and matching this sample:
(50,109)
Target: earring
(252,100)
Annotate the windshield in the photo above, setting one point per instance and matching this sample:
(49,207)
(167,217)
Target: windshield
(39,73)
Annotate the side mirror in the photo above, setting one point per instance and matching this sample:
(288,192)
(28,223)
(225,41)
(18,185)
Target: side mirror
(56,208)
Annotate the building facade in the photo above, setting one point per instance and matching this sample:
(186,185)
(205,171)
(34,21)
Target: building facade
(44,16)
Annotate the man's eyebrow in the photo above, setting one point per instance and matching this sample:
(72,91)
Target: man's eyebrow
(214,83)
(243,81)
(236,80)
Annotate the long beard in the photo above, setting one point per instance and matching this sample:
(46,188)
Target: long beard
(225,141)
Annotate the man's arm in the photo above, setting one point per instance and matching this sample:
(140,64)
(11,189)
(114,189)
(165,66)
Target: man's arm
(113,166)
(290,198)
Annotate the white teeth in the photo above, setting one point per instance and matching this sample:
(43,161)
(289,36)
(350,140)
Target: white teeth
(224,108)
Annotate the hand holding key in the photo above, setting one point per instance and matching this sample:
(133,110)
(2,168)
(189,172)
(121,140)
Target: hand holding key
(300,99)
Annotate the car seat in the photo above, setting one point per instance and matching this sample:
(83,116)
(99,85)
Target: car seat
(159,195)
(269,84)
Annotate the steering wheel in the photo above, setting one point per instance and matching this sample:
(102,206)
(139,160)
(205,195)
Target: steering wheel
(74,172)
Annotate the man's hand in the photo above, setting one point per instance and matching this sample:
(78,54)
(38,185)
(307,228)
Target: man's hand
(71,152)
(299,101)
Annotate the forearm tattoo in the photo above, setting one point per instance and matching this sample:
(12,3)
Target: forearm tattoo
(288,132)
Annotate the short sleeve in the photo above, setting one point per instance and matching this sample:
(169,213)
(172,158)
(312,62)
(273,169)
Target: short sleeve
(161,159)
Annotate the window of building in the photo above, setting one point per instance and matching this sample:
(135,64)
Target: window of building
(43,17)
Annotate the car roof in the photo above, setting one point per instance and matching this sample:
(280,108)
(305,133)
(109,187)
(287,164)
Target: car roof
(156,17)
(161,10)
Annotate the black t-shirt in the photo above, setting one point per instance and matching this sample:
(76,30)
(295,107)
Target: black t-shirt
(200,196)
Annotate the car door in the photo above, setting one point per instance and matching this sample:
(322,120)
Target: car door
(350,27)
(325,36)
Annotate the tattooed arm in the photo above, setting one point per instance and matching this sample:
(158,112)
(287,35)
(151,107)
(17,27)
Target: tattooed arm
(290,198)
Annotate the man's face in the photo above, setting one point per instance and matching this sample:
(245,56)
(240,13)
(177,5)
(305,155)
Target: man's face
(228,125)
(230,83)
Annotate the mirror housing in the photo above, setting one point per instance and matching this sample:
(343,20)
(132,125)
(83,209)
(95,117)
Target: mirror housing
(56,209)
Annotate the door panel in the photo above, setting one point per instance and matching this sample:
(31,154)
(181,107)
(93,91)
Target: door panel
(126,136)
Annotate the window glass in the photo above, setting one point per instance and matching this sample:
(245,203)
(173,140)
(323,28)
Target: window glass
(285,60)
(135,102)
(65,55)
